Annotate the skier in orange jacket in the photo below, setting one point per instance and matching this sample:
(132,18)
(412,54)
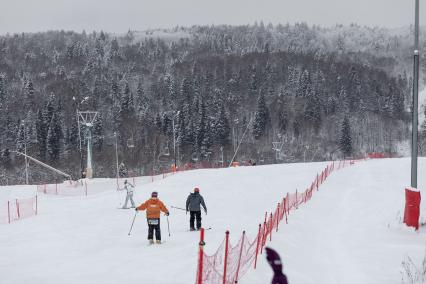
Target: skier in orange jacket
(153,207)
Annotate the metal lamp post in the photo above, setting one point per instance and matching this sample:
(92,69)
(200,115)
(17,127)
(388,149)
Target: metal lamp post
(25,149)
(116,156)
(415,120)
(174,115)
(412,194)
(174,141)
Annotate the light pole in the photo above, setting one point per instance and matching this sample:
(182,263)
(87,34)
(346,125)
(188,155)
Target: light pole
(174,115)
(415,100)
(116,156)
(25,149)
(174,141)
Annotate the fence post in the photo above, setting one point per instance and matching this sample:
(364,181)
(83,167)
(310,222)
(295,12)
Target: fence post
(36,205)
(17,208)
(278,215)
(263,237)
(288,204)
(45,189)
(85,185)
(239,258)
(200,257)
(56,188)
(285,209)
(317,181)
(8,211)
(270,228)
(297,205)
(257,246)
(226,256)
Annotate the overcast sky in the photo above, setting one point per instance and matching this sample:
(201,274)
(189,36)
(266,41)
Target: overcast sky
(120,15)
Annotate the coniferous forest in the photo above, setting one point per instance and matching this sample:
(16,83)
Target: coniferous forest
(324,93)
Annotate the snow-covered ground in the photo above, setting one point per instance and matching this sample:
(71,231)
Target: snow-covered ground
(350,232)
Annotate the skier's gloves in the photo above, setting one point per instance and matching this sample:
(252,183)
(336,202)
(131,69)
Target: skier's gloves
(136,209)
(167,214)
(205,211)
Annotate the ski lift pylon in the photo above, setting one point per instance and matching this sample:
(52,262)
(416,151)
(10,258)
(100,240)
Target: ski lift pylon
(166,151)
(130,143)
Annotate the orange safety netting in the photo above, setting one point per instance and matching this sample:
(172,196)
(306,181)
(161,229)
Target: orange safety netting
(18,209)
(240,258)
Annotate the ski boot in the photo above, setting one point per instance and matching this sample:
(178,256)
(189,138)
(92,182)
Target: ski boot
(151,242)
(158,242)
(192,229)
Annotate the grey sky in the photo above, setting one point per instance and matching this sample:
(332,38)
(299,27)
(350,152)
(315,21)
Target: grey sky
(120,15)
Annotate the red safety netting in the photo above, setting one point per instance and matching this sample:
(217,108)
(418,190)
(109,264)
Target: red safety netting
(70,188)
(240,258)
(18,209)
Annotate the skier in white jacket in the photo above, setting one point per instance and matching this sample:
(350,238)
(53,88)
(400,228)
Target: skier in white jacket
(129,196)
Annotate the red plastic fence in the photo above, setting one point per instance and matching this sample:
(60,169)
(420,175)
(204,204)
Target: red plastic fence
(71,188)
(230,263)
(16,209)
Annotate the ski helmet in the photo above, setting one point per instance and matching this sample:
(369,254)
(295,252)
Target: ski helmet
(196,189)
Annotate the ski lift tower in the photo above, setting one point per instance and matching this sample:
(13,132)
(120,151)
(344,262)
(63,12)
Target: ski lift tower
(278,147)
(87,118)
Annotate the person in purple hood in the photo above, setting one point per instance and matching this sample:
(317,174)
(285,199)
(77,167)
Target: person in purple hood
(274,261)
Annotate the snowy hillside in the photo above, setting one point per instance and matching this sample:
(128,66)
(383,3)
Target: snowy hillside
(349,232)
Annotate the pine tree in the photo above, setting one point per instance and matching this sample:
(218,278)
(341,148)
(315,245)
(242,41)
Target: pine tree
(345,142)
(98,132)
(283,121)
(254,84)
(222,128)
(54,136)
(29,94)
(261,118)
(126,115)
(2,94)
(206,143)
(20,140)
(201,127)
(5,158)
(41,133)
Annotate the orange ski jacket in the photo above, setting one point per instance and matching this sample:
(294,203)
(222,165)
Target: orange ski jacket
(153,207)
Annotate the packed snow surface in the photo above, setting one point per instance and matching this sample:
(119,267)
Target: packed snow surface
(350,231)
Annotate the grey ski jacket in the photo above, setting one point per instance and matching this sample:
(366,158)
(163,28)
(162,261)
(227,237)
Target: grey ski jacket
(194,201)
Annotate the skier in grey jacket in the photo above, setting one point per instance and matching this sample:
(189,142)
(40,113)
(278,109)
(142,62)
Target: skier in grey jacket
(193,203)
(129,196)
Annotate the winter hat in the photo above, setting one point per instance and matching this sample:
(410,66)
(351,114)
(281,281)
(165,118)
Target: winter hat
(196,189)
(154,194)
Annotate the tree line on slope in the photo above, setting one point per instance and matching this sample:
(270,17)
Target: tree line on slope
(156,94)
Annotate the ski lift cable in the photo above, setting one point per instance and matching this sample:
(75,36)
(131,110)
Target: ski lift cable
(241,140)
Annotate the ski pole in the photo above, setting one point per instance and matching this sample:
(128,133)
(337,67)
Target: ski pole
(131,227)
(168,225)
(178,208)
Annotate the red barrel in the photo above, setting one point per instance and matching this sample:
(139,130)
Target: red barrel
(412,207)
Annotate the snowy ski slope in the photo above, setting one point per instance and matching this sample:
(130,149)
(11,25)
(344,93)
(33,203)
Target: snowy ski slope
(349,232)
